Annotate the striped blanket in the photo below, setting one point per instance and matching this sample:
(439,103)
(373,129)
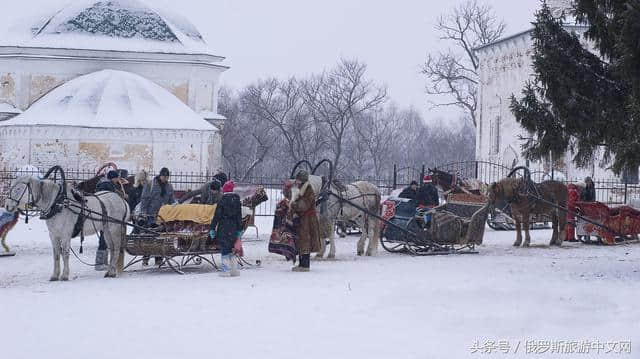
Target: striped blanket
(283,236)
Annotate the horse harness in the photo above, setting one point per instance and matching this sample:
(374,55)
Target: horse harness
(77,205)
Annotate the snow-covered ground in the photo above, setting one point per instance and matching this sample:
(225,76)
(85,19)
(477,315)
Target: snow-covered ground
(390,306)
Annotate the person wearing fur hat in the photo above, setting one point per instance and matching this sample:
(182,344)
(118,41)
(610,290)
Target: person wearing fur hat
(157,194)
(109,182)
(304,208)
(226,228)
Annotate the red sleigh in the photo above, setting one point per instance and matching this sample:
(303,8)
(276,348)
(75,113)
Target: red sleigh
(614,223)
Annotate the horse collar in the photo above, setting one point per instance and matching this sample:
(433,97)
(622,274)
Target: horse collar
(57,205)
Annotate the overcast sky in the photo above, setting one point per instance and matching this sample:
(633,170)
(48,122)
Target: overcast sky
(297,37)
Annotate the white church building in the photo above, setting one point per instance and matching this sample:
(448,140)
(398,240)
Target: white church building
(505,67)
(110,81)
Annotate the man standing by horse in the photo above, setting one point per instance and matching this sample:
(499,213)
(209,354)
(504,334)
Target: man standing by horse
(109,183)
(304,208)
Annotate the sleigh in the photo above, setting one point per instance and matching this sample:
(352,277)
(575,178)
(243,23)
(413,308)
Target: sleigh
(608,225)
(453,227)
(182,236)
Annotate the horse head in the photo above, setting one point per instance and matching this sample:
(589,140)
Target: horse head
(28,192)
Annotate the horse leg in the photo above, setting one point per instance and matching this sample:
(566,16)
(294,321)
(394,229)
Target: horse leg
(114,251)
(562,228)
(323,247)
(554,226)
(65,245)
(525,225)
(55,245)
(361,241)
(374,237)
(332,247)
(518,241)
(4,242)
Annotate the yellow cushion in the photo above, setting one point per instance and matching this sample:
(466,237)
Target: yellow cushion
(198,213)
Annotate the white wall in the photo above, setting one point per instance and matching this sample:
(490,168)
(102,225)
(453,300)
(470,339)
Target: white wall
(88,148)
(505,67)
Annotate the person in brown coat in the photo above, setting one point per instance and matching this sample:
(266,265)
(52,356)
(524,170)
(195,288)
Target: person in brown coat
(304,208)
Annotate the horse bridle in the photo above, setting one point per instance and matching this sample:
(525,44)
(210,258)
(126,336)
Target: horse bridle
(33,200)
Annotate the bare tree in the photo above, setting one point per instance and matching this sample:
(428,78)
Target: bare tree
(378,132)
(247,141)
(453,73)
(337,97)
(282,104)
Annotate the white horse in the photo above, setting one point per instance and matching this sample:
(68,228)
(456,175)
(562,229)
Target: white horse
(42,195)
(361,193)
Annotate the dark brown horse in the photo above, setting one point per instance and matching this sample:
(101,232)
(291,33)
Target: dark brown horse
(450,183)
(524,197)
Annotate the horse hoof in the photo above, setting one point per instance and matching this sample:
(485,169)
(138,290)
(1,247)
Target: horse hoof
(53,279)
(331,256)
(109,275)
(517,244)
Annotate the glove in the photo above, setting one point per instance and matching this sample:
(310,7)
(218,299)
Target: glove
(212,234)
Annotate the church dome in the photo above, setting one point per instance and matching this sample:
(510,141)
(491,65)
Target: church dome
(111,99)
(120,25)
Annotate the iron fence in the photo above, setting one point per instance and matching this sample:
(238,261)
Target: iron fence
(612,191)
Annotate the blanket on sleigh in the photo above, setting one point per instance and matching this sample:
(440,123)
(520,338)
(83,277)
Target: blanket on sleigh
(283,237)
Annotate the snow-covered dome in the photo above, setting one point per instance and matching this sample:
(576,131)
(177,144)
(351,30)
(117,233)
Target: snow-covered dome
(111,99)
(121,25)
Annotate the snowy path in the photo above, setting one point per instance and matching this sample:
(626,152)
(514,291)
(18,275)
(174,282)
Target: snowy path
(390,306)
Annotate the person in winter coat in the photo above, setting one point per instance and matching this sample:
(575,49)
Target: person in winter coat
(155,195)
(428,194)
(209,193)
(304,208)
(135,196)
(226,228)
(108,183)
(410,192)
(589,193)
(221,177)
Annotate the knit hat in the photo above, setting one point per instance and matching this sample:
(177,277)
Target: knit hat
(587,180)
(228,187)
(112,174)
(165,172)
(302,176)
(414,183)
(215,185)
(426,179)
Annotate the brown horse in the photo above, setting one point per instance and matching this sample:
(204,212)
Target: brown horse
(450,183)
(523,196)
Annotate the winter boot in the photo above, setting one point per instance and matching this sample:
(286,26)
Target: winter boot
(102,260)
(234,266)
(305,261)
(225,270)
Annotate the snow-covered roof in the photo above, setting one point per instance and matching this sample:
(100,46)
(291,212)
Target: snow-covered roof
(7,108)
(118,25)
(111,99)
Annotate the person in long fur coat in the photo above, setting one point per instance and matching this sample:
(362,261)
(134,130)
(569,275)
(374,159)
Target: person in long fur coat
(304,208)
